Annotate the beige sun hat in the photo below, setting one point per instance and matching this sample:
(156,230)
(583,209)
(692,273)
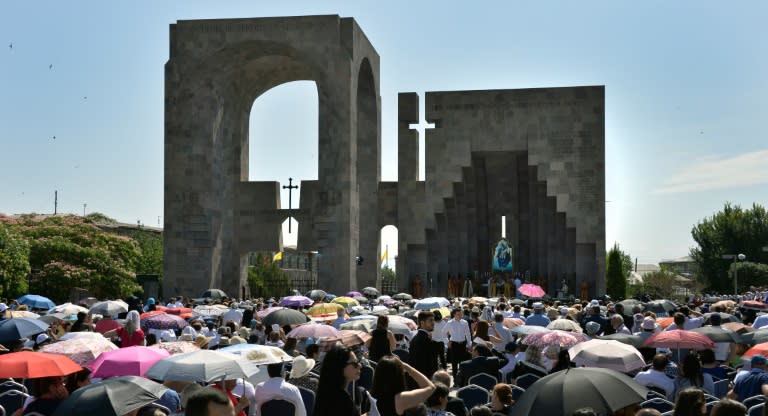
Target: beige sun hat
(301,366)
(202,341)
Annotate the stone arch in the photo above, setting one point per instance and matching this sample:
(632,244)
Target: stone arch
(214,216)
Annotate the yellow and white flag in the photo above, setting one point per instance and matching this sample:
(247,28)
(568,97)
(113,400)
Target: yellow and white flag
(385,254)
(278,256)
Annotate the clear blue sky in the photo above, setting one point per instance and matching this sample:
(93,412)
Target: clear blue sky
(686,86)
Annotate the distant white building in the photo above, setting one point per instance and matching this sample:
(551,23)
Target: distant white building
(636,276)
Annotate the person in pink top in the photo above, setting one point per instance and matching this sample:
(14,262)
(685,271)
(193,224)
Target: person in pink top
(130,335)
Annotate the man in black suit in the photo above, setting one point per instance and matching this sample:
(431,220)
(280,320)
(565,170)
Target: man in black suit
(481,362)
(423,351)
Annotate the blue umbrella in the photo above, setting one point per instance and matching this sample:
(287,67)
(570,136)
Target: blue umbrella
(18,328)
(36,302)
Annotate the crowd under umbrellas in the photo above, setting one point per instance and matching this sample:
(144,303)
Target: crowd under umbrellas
(205,342)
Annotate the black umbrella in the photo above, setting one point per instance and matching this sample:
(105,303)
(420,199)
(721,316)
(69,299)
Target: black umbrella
(115,396)
(724,317)
(214,294)
(660,306)
(371,291)
(717,334)
(629,339)
(317,294)
(628,304)
(402,296)
(561,393)
(285,317)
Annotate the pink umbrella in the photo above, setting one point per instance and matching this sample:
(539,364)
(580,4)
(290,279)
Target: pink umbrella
(314,331)
(556,337)
(130,361)
(163,321)
(353,293)
(532,291)
(265,312)
(677,339)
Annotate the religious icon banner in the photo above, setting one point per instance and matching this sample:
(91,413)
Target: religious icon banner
(502,257)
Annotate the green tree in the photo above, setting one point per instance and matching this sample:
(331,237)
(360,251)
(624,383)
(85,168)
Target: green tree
(69,252)
(14,262)
(266,279)
(731,231)
(750,274)
(387,273)
(615,277)
(150,261)
(660,284)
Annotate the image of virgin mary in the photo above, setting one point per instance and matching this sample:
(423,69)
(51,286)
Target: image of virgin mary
(502,257)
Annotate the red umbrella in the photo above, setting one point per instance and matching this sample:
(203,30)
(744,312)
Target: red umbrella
(759,349)
(178,311)
(754,304)
(677,339)
(27,364)
(146,315)
(532,291)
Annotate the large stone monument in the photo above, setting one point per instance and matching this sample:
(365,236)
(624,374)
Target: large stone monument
(535,156)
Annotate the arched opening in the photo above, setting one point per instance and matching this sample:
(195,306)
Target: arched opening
(388,259)
(368,173)
(283,140)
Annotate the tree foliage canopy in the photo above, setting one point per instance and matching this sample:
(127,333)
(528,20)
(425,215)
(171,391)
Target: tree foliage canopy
(615,274)
(14,262)
(731,231)
(266,279)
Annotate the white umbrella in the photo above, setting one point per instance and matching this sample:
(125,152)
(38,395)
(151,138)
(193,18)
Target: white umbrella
(202,366)
(209,310)
(81,334)
(565,325)
(258,354)
(67,309)
(608,354)
(431,303)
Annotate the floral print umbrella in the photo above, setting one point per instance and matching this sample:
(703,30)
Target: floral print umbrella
(82,350)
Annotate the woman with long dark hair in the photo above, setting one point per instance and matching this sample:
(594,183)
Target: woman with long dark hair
(692,376)
(690,402)
(392,398)
(340,367)
(382,341)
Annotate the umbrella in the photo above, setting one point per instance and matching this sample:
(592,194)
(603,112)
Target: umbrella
(317,294)
(18,328)
(329,297)
(345,301)
(563,392)
(359,325)
(431,303)
(295,301)
(513,322)
(258,354)
(444,312)
(531,290)
(264,312)
(660,306)
(209,310)
(312,330)
(738,327)
(214,294)
(677,339)
(754,305)
(83,351)
(665,322)
(24,314)
(478,299)
(90,300)
(518,302)
(113,397)
(350,338)
(130,361)
(325,310)
(607,354)
(717,334)
(565,325)
(559,338)
(628,304)
(399,328)
(51,318)
(27,364)
(361,299)
(109,308)
(633,340)
(370,291)
(529,329)
(176,347)
(36,302)
(402,296)
(82,334)
(725,304)
(403,320)
(391,302)
(164,321)
(204,365)
(759,349)
(67,309)
(149,314)
(756,337)
(285,317)
(353,293)
(724,317)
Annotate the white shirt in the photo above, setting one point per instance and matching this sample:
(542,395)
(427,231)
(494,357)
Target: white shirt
(245,388)
(760,321)
(458,331)
(438,333)
(234,315)
(510,365)
(658,379)
(278,387)
(504,333)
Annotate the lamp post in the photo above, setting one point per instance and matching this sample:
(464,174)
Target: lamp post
(735,257)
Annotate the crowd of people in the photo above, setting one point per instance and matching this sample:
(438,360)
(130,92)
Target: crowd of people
(423,371)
